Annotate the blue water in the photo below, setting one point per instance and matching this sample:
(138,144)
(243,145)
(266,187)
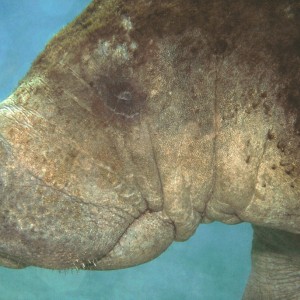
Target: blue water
(213,265)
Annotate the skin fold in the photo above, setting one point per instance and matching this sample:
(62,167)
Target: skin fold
(143,119)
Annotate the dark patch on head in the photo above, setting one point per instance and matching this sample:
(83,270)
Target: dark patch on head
(281,145)
(267,107)
(270,135)
(119,98)
(248,159)
(220,47)
(264,95)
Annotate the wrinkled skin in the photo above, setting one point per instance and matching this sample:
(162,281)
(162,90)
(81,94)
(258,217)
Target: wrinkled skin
(140,121)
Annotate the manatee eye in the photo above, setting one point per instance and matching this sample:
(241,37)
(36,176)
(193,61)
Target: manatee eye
(120,96)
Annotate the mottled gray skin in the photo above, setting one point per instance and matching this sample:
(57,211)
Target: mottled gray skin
(143,119)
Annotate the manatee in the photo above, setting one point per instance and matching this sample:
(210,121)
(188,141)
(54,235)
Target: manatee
(143,119)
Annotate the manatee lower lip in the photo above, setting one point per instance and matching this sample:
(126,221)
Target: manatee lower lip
(144,239)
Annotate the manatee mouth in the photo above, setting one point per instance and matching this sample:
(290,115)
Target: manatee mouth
(146,238)
(56,229)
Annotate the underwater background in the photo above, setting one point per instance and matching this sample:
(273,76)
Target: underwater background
(214,264)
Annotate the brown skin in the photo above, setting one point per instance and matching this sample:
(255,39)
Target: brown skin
(140,121)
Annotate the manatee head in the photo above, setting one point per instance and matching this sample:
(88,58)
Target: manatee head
(140,120)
